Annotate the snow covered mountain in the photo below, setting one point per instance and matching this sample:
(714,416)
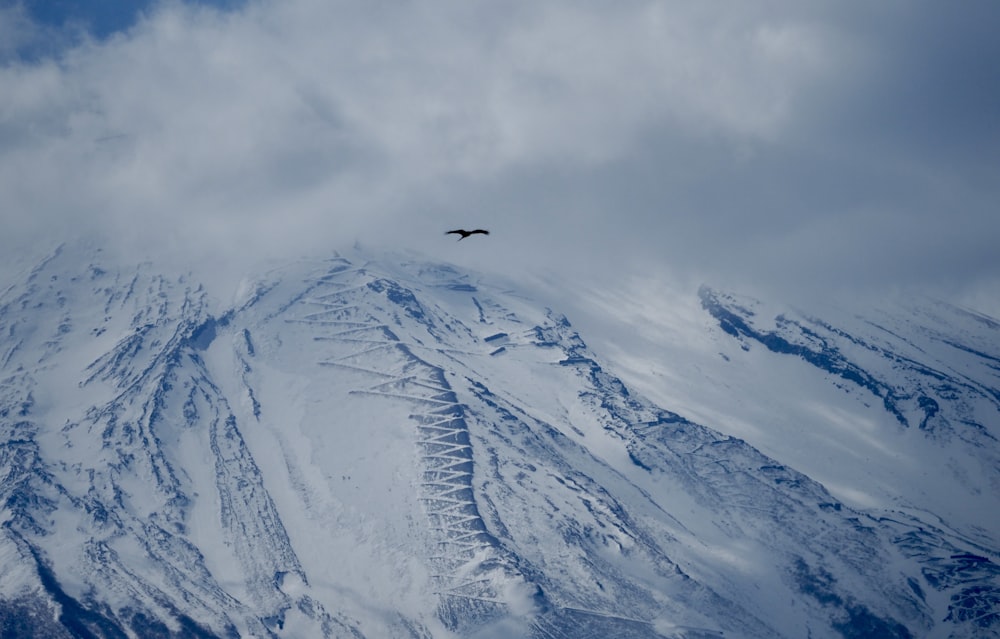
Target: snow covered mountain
(397,448)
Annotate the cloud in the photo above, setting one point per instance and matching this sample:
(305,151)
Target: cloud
(766,144)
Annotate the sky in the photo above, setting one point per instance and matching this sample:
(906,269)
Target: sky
(777,147)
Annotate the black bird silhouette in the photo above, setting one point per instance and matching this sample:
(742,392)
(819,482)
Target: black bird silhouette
(466,234)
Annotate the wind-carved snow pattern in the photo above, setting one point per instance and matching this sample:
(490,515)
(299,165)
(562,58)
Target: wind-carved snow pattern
(467,562)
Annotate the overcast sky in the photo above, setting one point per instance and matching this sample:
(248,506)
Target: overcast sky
(839,146)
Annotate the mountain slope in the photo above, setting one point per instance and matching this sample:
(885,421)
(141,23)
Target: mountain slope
(929,366)
(398,448)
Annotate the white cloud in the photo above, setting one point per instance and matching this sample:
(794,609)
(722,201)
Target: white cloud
(698,134)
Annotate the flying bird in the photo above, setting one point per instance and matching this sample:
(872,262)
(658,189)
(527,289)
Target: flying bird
(466,234)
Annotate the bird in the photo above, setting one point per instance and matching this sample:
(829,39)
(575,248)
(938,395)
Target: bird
(466,234)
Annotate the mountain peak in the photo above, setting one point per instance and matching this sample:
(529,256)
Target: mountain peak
(392,447)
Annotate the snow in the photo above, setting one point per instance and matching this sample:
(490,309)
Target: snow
(382,446)
(795,412)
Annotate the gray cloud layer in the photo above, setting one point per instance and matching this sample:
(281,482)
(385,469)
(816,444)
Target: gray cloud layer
(809,146)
